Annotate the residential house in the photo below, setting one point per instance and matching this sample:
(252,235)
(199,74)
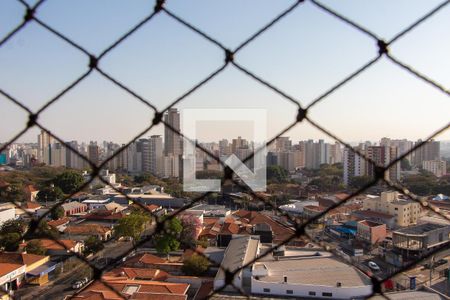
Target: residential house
(83,232)
(64,247)
(60,224)
(31,193)
(118,288)
(74,208)
(147,260)
(37,267)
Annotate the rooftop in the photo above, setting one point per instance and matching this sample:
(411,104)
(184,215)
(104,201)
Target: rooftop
(72,205)
(20,258)
(239,252)
(6,268)
(87,229)
(422,228)
(371,213)
(59,222)
(370,223)
(52,245)
(323,271)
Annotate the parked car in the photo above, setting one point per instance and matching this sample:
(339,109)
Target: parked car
(76,285)
(373,266)
(440,262)
(85,280)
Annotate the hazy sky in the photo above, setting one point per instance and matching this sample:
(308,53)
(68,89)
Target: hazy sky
(304,55)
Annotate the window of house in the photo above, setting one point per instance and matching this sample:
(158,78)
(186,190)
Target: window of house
(312,293)
(325,294)
(289,292)
(396,208)
(266,290)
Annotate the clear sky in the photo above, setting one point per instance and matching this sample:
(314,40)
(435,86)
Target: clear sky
(304,55)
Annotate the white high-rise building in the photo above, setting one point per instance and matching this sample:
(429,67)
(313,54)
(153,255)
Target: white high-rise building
(156,155)
(354,165)
(45,142)
(437,167)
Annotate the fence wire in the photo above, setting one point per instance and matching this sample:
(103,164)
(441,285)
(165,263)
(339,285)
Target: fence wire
(381,49)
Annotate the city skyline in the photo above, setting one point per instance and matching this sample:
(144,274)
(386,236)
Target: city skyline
(150,63)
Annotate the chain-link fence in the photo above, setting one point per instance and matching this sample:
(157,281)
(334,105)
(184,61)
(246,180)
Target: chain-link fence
(382,50)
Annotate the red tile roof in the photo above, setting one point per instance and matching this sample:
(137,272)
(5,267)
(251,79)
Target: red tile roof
(20,258)
(146,258)
(104,215)
(53,245)
(280,231)
(204,291)
(136,273)
(153,207)
(87,229)
(30,189)
(6,268)
(145,290)
(59,222)
(31,205)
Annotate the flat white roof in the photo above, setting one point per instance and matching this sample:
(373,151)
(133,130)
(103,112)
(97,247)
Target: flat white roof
(94,201)
(323,271)
(146,196)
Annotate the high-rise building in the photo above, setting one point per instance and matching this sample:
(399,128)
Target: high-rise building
(58,155)
(354,165)
(283,143)
(310,155)
(224,148)
(437,167)
(403,146)
(334,153)
(45,142)
(172,140)
(93,153)
(383,156)
(172,166)
(238,143)
(431,150)
(156,155)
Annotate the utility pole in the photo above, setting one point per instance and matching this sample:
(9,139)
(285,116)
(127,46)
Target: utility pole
(431,268)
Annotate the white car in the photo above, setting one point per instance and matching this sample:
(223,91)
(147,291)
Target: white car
(373,266)
(76,285)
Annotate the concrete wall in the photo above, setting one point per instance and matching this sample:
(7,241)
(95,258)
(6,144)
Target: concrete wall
(7,214)
(302,290)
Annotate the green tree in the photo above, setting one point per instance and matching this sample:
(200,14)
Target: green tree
(422,184)
(168,240)
(132,225)
(92,245)
(10,241)
(277,174)
(405,165)
(49,193)
(35,247)
(203,242)
(13,226)
(331,170)
(69,181)
(57,213)
(12,193)
(358,182)
(195,265)
(45,231)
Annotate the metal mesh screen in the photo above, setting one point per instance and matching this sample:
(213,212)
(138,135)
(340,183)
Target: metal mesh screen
(381,48)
